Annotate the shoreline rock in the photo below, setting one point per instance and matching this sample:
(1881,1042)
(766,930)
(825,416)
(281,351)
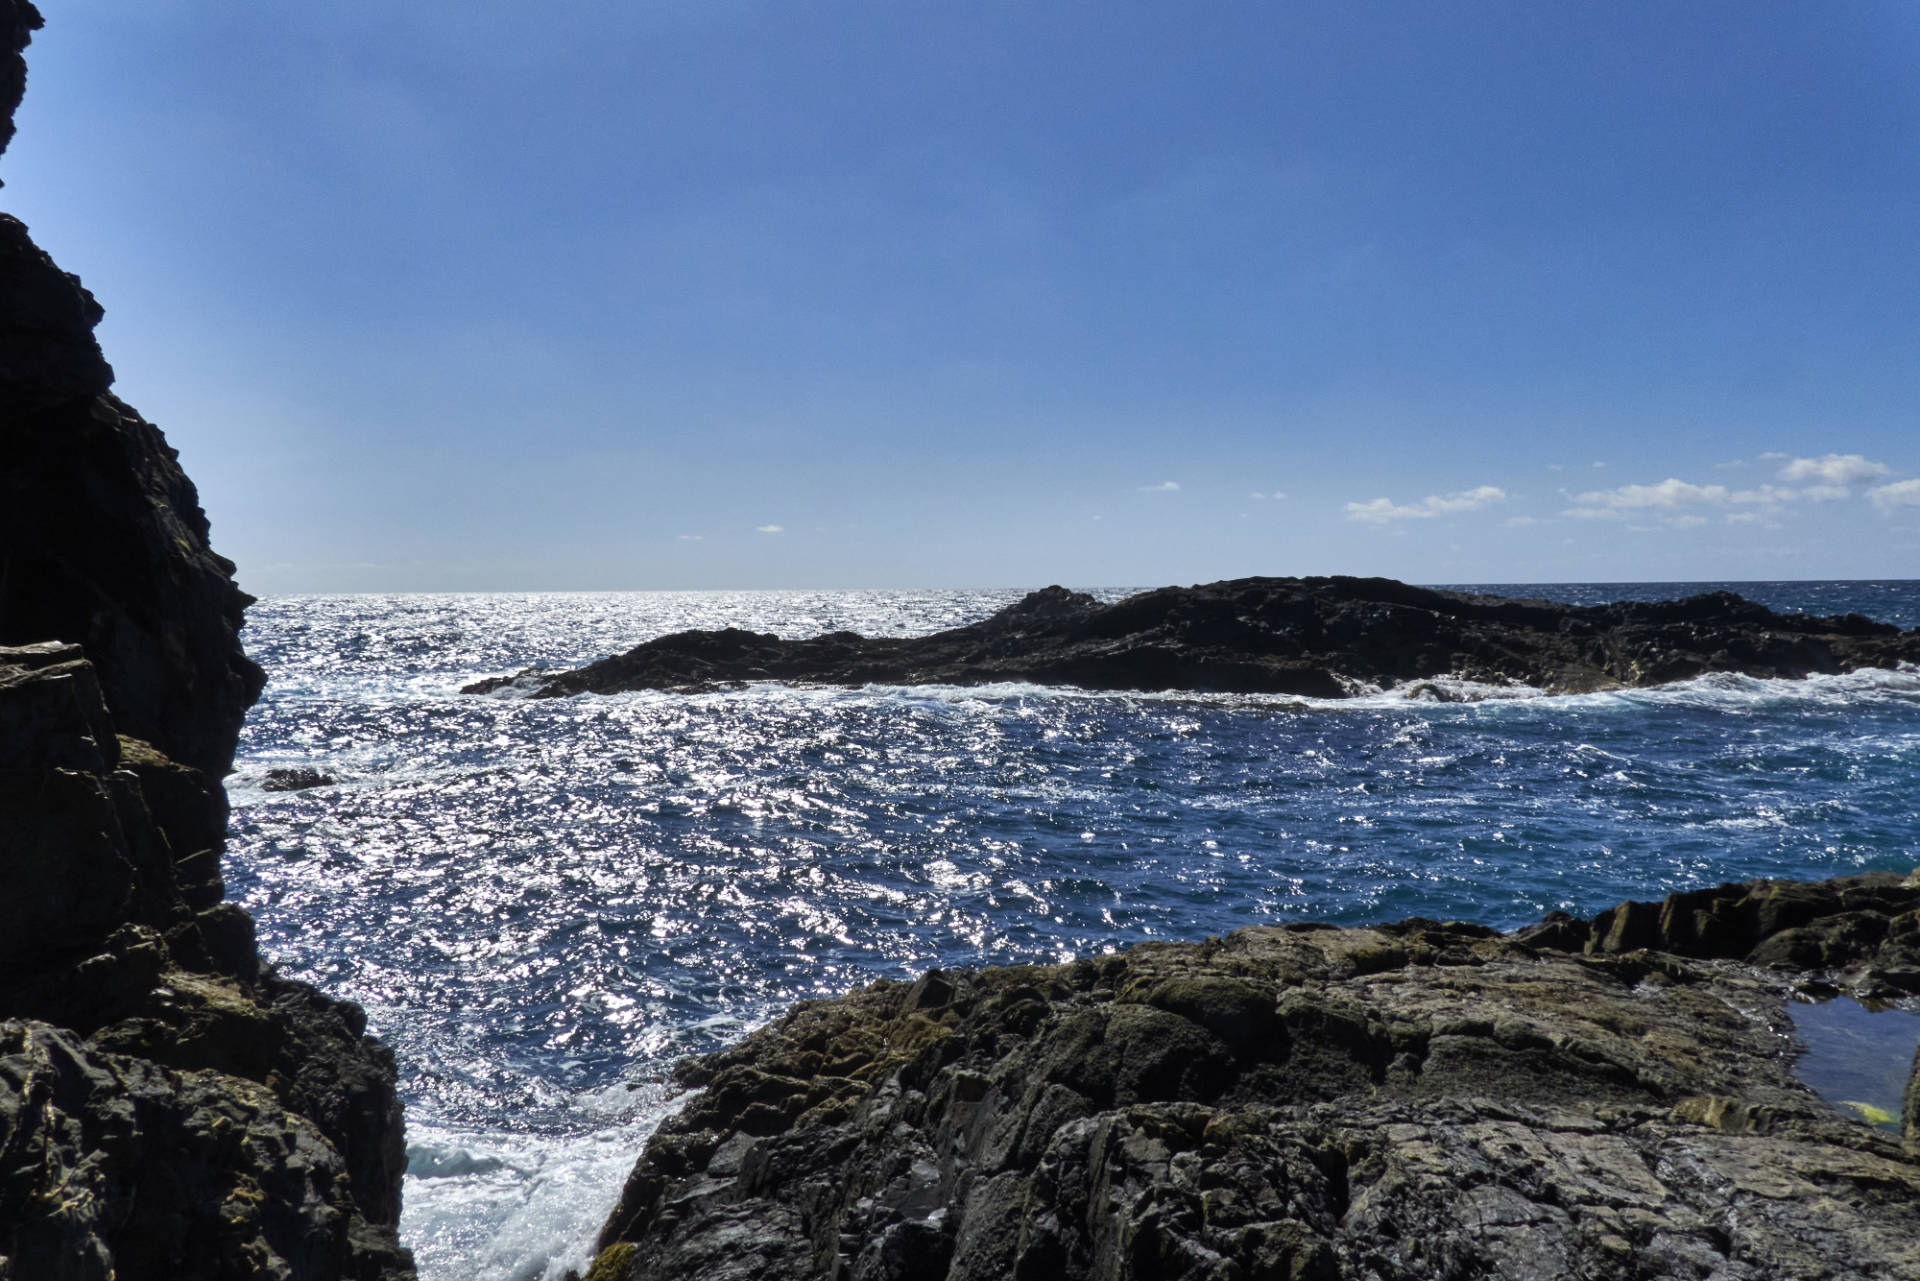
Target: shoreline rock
(1314,637)
(170,1108)
(1611,1097)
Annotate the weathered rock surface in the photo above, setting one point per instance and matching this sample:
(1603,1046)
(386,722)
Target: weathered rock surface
(1320,637)
(145,1047)
(102,540)
(1581,1099)
(170,1109)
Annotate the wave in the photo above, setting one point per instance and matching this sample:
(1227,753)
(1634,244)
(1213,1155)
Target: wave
(504,1206)
(1721,688)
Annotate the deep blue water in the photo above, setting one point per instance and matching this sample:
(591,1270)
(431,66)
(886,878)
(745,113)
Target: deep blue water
(543,904)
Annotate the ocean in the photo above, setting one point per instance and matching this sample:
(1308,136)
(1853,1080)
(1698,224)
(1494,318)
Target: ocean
(543,904)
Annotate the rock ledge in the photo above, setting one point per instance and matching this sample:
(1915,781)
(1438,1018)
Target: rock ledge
(1605,1098)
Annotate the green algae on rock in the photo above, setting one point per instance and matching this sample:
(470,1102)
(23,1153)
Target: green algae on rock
(1421,1100)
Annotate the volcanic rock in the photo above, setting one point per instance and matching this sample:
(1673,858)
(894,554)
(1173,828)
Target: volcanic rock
(1605,1098)
(1318,637)
(170,1108)
(296,779)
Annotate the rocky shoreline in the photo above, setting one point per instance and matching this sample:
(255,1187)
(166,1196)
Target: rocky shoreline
(169,1107)
(1316,637)
(1605,1098)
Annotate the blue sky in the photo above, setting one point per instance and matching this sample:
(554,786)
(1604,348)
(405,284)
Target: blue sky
(891,293)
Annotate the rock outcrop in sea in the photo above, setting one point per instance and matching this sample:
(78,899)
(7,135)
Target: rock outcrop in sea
(1318,637)
(169,1107)
(1424,1101)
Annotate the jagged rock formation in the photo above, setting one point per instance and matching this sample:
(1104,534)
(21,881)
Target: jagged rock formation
(102,540)
(1320,637)
(1420,1101)
(169,1108)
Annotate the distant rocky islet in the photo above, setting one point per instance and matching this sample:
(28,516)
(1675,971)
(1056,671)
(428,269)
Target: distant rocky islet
(1312,637)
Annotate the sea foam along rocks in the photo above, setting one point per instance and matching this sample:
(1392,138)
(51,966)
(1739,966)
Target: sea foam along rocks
(1312,637)
(1419,1100)
(169,1107)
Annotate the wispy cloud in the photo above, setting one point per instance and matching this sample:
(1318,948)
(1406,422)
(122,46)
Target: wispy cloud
(1832,475)
(1164,487)
(1833,469)
(1902,493)
(1673,501)
(688,538)
(1772,494)
(769,529)
(1384,510)
(1277,495)
(1518,522)
(1671,492)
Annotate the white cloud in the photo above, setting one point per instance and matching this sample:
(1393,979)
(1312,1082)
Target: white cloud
(769,529)
(1743,518)
(1825,493)
(1833,469)
(1382,510)
(1673,501)
(1670,492)
(1164,487)
(1515,522)
(688,538)
(1765,494)
(1902,493)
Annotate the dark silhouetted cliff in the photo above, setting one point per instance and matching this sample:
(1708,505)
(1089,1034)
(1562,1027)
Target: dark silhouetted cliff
(169,1107)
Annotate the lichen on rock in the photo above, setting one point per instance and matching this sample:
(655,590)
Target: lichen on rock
(1422,1100)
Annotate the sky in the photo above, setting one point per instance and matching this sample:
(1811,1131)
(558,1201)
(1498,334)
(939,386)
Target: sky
(894,293)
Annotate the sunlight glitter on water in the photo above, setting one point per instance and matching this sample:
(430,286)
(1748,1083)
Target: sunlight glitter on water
(542,902)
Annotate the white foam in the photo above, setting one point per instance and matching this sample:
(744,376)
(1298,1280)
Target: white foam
(499,1206)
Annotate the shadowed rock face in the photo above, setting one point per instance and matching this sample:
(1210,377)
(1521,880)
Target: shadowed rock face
(102,540)
(169,1107)
(1608,1099)
(1308,636)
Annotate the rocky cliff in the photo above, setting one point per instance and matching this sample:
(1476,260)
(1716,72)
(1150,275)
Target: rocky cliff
(169,1107)
(1320,637)
(1416,1102)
